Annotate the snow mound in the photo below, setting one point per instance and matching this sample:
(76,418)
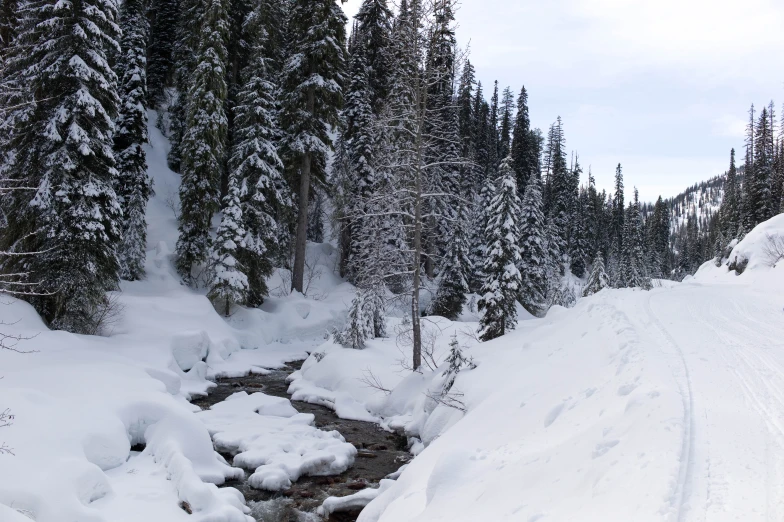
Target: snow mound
(267,435)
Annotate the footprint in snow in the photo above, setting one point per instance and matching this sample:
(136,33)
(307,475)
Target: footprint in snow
(604,447)
(626,389)
(553,415)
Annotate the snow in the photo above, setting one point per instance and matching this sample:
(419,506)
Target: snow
(81,402)
(665,405)
(266,434)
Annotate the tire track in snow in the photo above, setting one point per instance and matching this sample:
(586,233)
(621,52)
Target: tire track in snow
(736,348)
(684,487)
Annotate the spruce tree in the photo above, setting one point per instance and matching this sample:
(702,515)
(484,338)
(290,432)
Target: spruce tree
(505,124)
(133,185)
(598,280)
(9,23)
(73,216)
(456,362)
(204,142)
(228,282)
(312,84)
(525,146)
(562,193)
(374,35)
(533,250)
(160,53)
(618,211)
(255,164)
(502,278)
(454,274)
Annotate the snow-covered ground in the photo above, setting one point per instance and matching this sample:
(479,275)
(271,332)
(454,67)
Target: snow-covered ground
(81,402)
(664,406)
(647,406)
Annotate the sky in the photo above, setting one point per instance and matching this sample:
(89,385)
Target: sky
(662,87)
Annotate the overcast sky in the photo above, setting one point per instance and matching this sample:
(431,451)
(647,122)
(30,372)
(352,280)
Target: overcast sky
(661,86)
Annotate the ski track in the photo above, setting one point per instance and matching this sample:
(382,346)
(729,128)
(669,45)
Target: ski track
(736,338)
(683,488)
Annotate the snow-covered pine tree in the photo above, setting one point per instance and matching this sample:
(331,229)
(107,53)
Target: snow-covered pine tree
(598,280)
(456,362)
(506,122)
(312,87)
(9,22)
(73,217)
(560,208)
(477,239)
(454,273)
(228,281)
(502,278)
(730,205)
(533,251)
(359,327)
(618,211)
(255,164)
(764,152)
(633,270)
(579,244)
(360,145)
(160,53)
(132,185)
(374,32)
(525,145)
(204,142)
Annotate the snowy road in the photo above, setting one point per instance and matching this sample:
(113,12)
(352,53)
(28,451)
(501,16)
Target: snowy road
(724,345)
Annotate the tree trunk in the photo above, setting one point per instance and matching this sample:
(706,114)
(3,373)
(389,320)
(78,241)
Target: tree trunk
(416,327)
(298,274)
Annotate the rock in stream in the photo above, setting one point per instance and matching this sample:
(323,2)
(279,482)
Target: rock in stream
(379,453)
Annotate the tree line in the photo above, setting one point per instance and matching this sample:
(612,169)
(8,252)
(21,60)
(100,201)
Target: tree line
(281,123)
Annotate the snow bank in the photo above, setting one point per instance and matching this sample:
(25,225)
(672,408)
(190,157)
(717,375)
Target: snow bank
(756,258)
(81,402)
(358,500)
(266,434)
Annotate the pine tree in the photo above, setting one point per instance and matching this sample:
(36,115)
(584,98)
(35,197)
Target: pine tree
(533,250)
(455,271)
(360,145)
(255,164)
(633,273)
(579,244)
(373,35)
(525,144)
(764,151)
(598,280)
(562,192)
(358,327)
(229,284)
(65,151)
(160,53)
(133,186)
(204,142)
(456,362)
(9,23)
(618,211)
(313,86)
(730,208)
(502,277)
(505,124)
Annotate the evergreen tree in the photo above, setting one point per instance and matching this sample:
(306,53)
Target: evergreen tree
(764,151)
(505,125)
(313,95)
(533,250)
(579,245)
(456,362)
(65,152)
(204,142)
(160,53)
(502,277)
(229,284)
(562,193)
(598,280)
(9,23)
(360,145)
(525,144)
(133,186)
(255,164)
(373,36)
(455,271)
(358,327)
(618,211)
(633,272)
(730,208)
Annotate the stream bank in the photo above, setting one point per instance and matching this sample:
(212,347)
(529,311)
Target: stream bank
(379,454)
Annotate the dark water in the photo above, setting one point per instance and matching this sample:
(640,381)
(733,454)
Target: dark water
(380,453)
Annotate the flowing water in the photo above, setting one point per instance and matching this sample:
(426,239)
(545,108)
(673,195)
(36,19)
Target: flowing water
(379,453)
